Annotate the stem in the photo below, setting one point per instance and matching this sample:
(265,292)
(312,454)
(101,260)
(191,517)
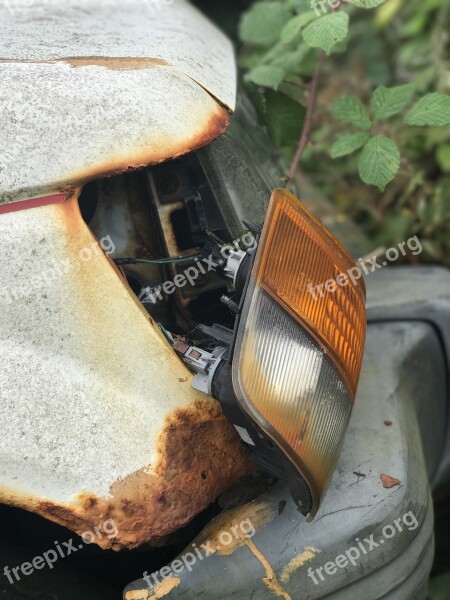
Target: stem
(304,138)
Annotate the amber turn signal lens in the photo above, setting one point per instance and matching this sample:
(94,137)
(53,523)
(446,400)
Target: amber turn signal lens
(304,268)
(300,341)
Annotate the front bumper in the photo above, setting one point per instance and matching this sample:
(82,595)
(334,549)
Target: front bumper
(404,380)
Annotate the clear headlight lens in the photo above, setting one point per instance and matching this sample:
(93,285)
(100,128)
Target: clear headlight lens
(299,347)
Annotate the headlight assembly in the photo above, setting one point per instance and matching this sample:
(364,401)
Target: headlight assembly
(287,378)
(299,346)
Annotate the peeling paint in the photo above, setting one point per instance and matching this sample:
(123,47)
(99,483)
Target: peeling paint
(270,580)
(151,503)
(137,595)
(165,587)
(159,149)
(309,552)
(258,513)
(158,591)
(108,62)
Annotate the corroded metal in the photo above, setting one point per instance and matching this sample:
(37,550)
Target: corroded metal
(92,88)
(99,419)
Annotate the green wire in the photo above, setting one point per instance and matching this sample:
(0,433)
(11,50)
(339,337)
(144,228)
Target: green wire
(156,261)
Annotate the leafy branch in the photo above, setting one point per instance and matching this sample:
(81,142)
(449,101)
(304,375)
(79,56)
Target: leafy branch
(379,161)
(286,43)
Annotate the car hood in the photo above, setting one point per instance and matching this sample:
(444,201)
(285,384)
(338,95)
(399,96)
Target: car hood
(91,88)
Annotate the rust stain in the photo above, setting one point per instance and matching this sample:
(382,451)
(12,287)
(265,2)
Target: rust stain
(270,580)
(137,595)
(113,63)
(164,588)
(257,514)
(148,505)
(152,502)
(309,552)
(214,127)
(158,591)
(165,214)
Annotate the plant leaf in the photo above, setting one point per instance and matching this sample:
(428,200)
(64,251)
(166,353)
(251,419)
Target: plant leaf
(431,110)
(266,76)
(348,144)
(351,110)
(292,60)
(379,162)
(366,3)
(262,24)
(284,118)
(387,102)
(327,31)
(295,25)
(443,157)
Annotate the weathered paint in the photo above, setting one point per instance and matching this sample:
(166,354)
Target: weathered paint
(164,588)
(174,32)
(309,552)
(92,88)
(137,595)
(258,513)
(160,590)
(270,579)
(99,420)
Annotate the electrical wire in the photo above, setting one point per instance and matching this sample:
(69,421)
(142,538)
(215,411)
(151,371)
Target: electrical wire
(157,261)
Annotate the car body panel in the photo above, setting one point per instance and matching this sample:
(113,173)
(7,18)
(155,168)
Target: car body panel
(99,419)
(92,88)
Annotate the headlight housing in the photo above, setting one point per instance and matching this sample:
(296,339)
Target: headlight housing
(300,340)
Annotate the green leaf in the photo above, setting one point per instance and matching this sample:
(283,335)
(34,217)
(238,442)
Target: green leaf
(250,60)
(366,3)
(284,118)
(348,144)
(293,27)
(300,5)
(327,31)
(292,60)
(262,24)
(266,75)
(443,157)
(387,102)
(351,110)
(379,162)
(431,110)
